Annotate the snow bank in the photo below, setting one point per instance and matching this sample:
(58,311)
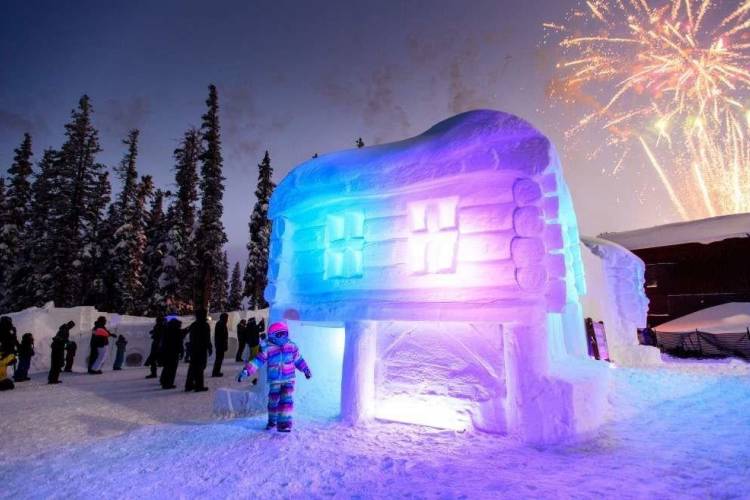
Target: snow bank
(733,317)
(43,323)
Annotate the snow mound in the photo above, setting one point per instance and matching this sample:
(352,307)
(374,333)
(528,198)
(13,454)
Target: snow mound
(733,317)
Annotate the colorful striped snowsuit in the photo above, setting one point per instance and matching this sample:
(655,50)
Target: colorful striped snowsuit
(282,357)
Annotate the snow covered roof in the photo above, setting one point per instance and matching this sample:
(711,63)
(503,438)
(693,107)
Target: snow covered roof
(733,317)
(696,231)
(470,142)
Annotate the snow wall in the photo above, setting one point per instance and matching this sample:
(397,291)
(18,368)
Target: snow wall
(43,323)
(616,278)
(452,262)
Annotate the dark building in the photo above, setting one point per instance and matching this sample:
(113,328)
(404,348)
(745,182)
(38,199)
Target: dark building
(692,265)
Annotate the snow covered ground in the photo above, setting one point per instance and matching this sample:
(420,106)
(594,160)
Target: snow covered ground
(675,433)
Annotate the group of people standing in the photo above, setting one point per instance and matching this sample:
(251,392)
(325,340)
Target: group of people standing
(170,343)
(168,347)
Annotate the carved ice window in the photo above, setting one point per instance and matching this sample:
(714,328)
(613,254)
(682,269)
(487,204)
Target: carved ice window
(344,245)
(434,236)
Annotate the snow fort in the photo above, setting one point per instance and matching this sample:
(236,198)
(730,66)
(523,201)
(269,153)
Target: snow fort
(452,262)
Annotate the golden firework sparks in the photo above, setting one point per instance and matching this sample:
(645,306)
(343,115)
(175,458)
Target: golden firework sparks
(670,78)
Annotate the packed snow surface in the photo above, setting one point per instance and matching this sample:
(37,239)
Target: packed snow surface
(733,317)
(695,231)
(674,433)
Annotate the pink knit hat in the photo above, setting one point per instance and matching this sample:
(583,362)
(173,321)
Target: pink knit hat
(277,327)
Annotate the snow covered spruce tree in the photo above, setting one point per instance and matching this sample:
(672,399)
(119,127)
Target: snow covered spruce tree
(210,235)
(96,253)
(43,222)
(181,261)
(75,207)
(220,288)
(5,252)
(15,260)
(234,301)
(168,293)
(260,234)
(129,237)
(156,235)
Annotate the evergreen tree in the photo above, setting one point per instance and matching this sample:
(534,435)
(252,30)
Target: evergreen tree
(14,242)
(234,301)
(14,235)
(129,239)
(152,258)
(75,205)
(260,234)
(5,251)
(220,289)
(359,143)
(125,243)
(168,294)
(44,227)
(210,236)
(180,275)
(96,256)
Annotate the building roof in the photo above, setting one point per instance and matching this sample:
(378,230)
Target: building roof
(697,231)
(471,142)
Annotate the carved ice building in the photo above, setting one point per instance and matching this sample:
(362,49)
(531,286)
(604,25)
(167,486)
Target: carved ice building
(452,261)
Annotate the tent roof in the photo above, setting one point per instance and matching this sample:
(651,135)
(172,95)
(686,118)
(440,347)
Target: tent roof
(696,231)
(733,317)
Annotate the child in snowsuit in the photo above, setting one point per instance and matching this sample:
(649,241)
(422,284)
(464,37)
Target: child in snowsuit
(282,357)
(120,355)
(25,353)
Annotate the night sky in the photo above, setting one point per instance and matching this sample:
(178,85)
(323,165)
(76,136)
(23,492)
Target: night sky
(295,78)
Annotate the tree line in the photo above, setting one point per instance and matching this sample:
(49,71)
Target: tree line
(65,238)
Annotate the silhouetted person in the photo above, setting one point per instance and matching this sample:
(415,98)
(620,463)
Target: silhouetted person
(170,352)
(241,340)
(25,353)
(120,355)
(70,356)
(8,337)
(253,338)
(59,341)
(221,343)
(199,334)
(157,335)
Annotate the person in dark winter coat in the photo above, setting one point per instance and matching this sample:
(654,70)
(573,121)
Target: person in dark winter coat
(199,333)
(157,334)
(25,353)
(59,342)
(101,341)
(221,343)
(241,340)
(253,337)
(170,353)
(120,355)
(8,337)
(70,356)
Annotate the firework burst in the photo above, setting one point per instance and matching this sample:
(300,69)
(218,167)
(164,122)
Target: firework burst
(671,79)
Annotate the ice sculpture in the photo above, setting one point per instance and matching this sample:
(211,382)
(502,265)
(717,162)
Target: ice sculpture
(618,276)
(452,260)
